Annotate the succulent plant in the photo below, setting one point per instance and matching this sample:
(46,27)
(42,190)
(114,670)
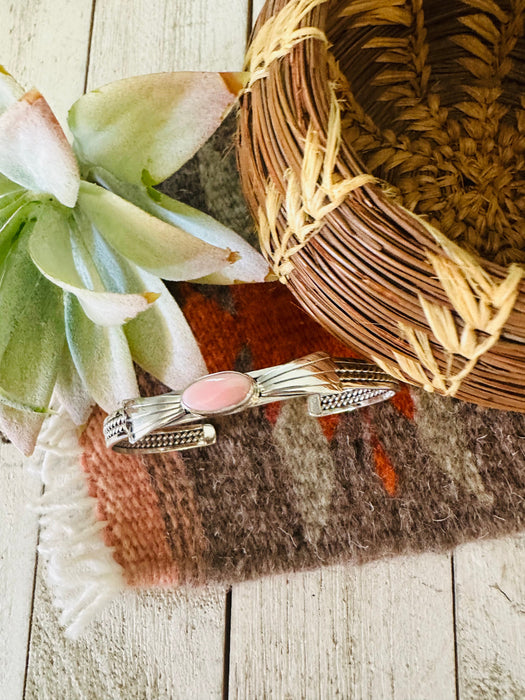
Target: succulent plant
(85,239)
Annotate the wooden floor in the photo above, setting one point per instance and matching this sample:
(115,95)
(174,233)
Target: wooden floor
(433,626)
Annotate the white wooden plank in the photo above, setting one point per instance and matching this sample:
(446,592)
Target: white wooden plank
(490,619)
(155,645)
(18,538)
(160,35)
(384,630)
(44,43)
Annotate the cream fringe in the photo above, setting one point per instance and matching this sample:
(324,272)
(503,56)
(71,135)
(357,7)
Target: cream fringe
(81,572)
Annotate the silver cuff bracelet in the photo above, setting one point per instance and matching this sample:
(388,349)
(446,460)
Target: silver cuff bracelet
(179,420)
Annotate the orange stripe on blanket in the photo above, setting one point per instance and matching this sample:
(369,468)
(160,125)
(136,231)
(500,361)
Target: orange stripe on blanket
(272,411)
(130,507)
(404,403)
(276,329)
(215,328)
(384,468)
(329,425)
(265,319)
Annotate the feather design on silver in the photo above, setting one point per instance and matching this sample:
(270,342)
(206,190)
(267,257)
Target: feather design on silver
(312,374)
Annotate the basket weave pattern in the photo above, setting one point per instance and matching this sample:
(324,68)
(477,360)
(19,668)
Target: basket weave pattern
(381,149)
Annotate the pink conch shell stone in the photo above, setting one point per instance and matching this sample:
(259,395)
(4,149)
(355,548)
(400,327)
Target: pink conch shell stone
(217,393)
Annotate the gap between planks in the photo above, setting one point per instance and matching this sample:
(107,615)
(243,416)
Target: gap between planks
(38,40)
(189,663)
(378,631)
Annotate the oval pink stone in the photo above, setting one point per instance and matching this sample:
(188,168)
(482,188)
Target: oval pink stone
(217,393)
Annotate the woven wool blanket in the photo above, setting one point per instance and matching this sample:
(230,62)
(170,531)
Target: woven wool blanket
(282,491)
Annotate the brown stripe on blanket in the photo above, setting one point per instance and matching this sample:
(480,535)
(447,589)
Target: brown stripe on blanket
(246,500)
(176,499)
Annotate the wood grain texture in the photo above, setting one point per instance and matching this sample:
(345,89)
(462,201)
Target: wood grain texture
(490,619)
(18,538)
(384,630)
(163,35)
(44,43)
(157,645)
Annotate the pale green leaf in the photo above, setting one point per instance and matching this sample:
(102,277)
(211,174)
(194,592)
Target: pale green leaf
(250,266)
(10,202)
(21,427)
(34,151)
(57,249)
(160,339)
(156,246)
(151,123)
(70,390)
(13,217)
(10,90)
(101,356)
(162,342)
(31,333)
(8,187)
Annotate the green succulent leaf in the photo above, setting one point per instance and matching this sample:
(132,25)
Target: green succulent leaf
(160,339)
(13,218)
(249,265)
(101,356)
(151,122)
(58,251)
(71,391)
(154,245)
(80,294)
(10,203)
(34,151)
(162,342)
(21,427)
(8,186)
(31,337)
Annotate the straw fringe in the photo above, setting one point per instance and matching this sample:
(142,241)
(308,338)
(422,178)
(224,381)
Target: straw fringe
(278,36)
(309,199)
(481,304)
(81,572)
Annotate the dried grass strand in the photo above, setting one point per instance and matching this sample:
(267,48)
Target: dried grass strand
(278,36)
(308,199)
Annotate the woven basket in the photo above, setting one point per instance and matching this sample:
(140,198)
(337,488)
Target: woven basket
(382,153)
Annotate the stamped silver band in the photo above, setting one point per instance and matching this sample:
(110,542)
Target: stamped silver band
(174,440)
(178,420)
(363,385)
